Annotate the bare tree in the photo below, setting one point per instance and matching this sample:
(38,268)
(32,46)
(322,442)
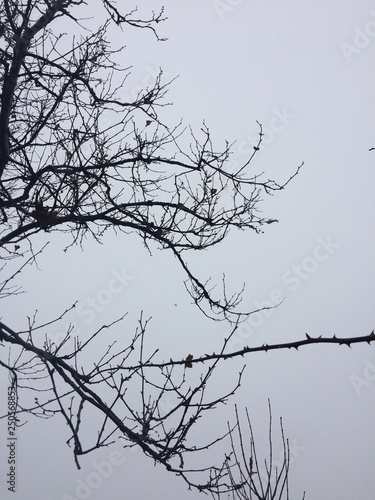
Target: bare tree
(126,399)
(78,158)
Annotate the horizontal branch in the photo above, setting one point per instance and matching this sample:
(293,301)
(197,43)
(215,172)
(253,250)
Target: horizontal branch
(264,348)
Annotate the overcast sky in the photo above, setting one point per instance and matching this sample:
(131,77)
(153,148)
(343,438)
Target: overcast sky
(305,70)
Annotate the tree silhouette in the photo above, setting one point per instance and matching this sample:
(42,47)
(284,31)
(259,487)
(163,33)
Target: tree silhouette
(77,158)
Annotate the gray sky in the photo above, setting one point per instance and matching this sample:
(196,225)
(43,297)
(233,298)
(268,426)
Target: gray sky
(305,71)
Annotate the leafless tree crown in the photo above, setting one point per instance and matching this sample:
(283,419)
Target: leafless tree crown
(76,157)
